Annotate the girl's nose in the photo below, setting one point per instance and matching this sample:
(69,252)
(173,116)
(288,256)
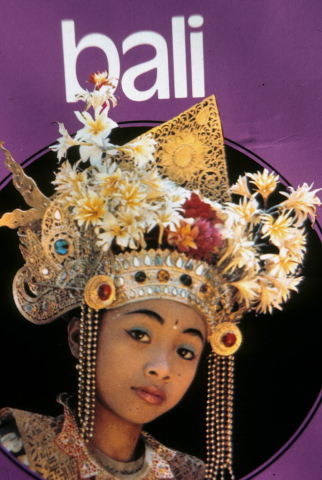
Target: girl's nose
(158,366)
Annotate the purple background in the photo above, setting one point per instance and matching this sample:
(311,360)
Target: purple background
(262,61)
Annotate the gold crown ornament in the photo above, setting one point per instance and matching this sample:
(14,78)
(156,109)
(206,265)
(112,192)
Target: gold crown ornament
(153,219)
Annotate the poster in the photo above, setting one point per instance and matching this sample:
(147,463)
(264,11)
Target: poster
(262,60)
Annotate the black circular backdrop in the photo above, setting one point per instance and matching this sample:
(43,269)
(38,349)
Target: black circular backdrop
(278,367)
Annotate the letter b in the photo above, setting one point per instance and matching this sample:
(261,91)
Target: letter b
(71,52)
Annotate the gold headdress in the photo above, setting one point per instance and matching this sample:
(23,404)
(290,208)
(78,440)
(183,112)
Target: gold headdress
(152,219)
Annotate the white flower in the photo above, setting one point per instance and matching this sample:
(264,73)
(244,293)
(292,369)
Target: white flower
(91,152)
(241,187)
(132,196)
(283,286)
(265,182)
(167,217)
(154,184)
(116,228)
(246,212)
(278,230)
(95,131)
(281,264)
(243,257)
(248,289)
(141,150)
(98,98)
(69,179)
(237,244)
(90,209)
(269,295)
(64,142)
(109,182)
(303,202)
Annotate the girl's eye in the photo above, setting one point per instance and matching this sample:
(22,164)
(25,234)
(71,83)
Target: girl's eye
(186,354)
(139,335)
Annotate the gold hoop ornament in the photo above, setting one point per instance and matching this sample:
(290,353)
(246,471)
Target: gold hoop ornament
(99,292)
(226,339)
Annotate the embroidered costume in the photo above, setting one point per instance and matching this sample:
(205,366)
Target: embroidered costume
(53,448)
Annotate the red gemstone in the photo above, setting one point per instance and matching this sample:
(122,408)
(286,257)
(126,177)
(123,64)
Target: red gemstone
(104,291)
(229,339)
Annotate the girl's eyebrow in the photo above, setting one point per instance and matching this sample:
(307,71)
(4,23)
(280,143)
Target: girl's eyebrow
(149,313)
(195,332)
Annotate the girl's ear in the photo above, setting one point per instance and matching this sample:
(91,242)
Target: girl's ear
(73,336)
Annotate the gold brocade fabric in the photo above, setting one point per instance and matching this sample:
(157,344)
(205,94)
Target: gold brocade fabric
(56,452)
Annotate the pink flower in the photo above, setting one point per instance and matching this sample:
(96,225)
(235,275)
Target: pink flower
(207,240)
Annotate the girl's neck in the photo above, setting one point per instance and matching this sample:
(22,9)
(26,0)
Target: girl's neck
(114,436)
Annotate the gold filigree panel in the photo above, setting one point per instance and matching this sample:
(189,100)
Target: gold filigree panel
(190,151)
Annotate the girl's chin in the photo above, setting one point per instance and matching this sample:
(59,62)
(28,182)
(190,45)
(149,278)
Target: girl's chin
(137,415)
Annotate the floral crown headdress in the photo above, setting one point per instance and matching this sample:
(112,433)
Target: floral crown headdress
(153,219)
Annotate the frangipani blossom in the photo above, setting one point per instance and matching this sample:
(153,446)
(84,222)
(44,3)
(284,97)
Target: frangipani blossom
(90,209)
(95,130)
(112,228)
(303,202)
(109,183)
(92,153)
(132,196)
(166,217)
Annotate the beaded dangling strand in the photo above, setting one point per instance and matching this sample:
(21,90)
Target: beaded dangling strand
(219,416)
(211,465)
(87,369)
(81,367)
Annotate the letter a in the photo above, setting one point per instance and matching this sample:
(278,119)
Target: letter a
(160,62)
(71,52)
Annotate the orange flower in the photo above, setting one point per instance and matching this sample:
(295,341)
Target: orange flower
(184,237)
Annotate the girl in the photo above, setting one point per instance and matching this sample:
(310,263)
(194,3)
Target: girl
(144,242)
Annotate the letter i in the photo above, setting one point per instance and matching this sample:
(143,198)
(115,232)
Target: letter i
(197,57)
(179,57)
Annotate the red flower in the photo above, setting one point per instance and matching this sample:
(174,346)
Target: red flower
(196,208)
(99,79)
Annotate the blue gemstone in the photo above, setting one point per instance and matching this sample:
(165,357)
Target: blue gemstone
(61,247)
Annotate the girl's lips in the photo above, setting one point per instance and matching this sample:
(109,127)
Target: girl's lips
(152,395)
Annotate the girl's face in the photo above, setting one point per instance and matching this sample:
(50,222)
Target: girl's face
(148,353)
